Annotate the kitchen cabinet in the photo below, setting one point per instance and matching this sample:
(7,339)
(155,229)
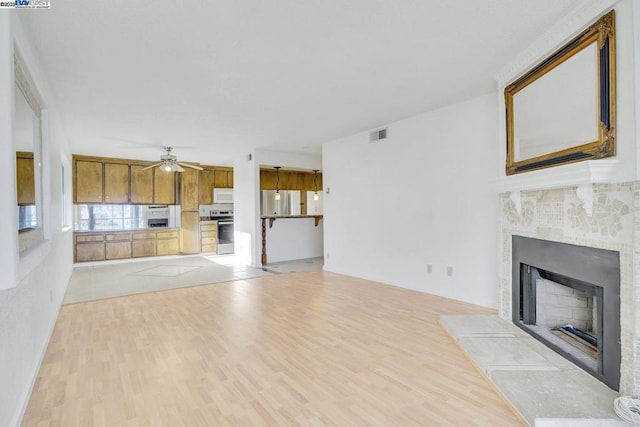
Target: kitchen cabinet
(89,181)
(307,183)
(164,184)
(143,244)
(168,242)
(206,186)
(189,191)
(190,238)
(289,180)
(209,236)
(141,185)
(89,247)
(25,178)
(267,179)
(107,245)
(118,245)
(116,183)
(223,178)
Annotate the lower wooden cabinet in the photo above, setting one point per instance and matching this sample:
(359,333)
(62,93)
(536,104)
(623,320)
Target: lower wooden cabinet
(89,247)
(118,245)
(168,243)
(122,245)
(209,236)
(143,244)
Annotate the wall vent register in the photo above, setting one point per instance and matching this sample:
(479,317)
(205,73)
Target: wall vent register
(378,135)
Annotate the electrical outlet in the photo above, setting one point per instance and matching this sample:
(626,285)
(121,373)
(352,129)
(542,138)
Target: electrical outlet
(429,268)
(449,271)
(327,255)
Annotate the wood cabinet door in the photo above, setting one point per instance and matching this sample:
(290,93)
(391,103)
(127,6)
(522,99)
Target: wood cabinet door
(25,179)
(221,178)
(141,185)
(90,251)
(88,181)
(189,191)
(164,187)
(190,233)
(267,179)
(116,183)
(167,245)
(230,179)
(289,180)
(206,186)
(143,248)
(309,184)
(118,250)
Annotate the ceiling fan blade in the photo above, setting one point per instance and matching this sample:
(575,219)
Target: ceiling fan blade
(152,166)
(177,168)
(190,166)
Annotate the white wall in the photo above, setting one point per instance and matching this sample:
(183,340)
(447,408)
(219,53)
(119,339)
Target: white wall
(34,283)
(420,197)
(291,239)
(246,182)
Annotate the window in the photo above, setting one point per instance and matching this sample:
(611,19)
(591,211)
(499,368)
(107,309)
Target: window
(109,217)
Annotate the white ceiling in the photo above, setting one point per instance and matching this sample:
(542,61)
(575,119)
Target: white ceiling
(217,79)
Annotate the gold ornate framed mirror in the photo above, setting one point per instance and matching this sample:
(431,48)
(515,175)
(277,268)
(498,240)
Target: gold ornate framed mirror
(563,109)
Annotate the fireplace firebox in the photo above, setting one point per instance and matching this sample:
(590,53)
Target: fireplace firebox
(568,297)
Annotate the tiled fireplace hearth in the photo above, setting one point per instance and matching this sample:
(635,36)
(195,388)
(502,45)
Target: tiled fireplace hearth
(558,215)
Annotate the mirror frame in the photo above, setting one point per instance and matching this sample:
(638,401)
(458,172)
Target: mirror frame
(601,32)
(24,82)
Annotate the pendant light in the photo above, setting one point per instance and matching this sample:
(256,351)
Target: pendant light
(315,185)
(277,168)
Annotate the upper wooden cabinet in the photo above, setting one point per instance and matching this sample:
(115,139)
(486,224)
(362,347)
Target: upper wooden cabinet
(206,186)
(164,187)
(109,180)
(190,193)
(223,178)
(289,180)
(25,178)
(309,184)
(267,179)
(102,180)
(141,185)
(88,181)
(116,183)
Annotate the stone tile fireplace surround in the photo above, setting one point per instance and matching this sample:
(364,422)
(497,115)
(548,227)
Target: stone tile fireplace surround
(613,223)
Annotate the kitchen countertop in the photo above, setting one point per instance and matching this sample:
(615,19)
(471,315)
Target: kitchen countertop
(128,230)
(272,218)
(289,216)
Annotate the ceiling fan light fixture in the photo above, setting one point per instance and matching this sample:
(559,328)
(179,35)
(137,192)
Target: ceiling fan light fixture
(169,163)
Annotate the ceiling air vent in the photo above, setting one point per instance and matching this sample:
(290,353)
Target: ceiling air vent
(378,135)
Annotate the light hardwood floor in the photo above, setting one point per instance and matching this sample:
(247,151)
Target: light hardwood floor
(311,348)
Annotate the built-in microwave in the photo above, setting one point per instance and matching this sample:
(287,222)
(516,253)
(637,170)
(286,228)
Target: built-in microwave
(223,195)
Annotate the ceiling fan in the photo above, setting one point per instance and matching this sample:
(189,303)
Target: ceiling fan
(169,163)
